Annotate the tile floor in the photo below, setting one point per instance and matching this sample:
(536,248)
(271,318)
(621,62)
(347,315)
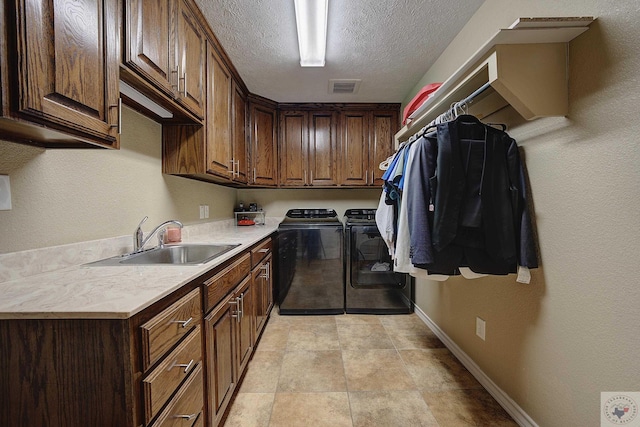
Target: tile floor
(358,371)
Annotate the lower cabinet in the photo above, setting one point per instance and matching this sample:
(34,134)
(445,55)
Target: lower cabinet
(220,355)
(236,304)
(176,363)
(186,406)
(263,292)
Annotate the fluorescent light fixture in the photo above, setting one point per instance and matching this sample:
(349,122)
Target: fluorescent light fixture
(141,99)
(311,20)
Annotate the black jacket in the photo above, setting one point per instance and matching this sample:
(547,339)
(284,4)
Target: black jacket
(480,214)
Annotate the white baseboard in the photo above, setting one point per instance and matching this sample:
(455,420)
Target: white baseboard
(509,405)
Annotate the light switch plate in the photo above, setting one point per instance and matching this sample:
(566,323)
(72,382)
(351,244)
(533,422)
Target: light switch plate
(5,193)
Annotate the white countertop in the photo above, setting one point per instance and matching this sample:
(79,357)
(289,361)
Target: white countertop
(113,292)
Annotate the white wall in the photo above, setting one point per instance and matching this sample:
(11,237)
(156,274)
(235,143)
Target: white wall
(65,196)
(555,344)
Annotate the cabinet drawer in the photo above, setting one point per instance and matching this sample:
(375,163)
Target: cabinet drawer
(260,251)
(183,410)
(160,384)
(225,281)
(164,330)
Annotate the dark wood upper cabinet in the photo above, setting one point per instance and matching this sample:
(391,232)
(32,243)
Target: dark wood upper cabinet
(239,133)
(308,148)
(147,46)
(294,143)
(383,126)
(354,158)
(226,122)
(59,72)
(218,124)
(216,151)
(323,148)
(366,141)
(263,151)
(164,53)
(190,58)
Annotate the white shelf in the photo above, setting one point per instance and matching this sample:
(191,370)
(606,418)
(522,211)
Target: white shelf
(525,66)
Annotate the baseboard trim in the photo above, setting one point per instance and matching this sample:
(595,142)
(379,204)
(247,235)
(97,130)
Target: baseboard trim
(509,405)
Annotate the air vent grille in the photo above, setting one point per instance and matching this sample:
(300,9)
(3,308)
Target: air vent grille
(344,86)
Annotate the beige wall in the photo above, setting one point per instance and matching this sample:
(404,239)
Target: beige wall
(276,202)
(65,196)
(555,344)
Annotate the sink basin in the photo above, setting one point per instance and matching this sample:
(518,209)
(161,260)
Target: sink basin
(184,254)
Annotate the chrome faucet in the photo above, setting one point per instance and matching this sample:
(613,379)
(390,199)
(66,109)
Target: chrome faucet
(139,241)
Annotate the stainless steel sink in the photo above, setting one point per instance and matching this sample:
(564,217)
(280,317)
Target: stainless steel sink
(183,254)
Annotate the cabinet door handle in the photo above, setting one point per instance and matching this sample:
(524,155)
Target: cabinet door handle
(177,73)
(254,175)
(187,417)
(118,124)
(233,167)
(184,83)
(186,366)
(184,323)
(237,163)
(238,313)
(266,274)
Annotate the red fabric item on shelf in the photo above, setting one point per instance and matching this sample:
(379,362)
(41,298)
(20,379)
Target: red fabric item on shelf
(418,100)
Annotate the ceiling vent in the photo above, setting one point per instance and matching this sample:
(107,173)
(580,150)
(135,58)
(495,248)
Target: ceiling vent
(344,86)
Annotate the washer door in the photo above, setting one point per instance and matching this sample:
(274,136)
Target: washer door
(370,265)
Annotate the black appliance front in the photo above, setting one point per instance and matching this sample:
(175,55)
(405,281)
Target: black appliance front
(310,277)
(372,287)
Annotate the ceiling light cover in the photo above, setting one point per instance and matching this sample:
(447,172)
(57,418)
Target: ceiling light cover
(311,21)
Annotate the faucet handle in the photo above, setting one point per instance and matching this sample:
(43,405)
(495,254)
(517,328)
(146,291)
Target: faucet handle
(161,234)
(138,235)
(142,222)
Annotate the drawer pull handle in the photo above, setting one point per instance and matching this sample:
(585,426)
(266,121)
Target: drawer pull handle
(184,322)
(240,301)
(187,417)
(238,312)
(263,251)
(182,365)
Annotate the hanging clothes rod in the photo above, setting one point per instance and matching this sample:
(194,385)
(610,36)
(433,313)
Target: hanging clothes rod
(451,113)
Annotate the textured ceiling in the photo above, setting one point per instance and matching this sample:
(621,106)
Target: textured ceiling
(389,44)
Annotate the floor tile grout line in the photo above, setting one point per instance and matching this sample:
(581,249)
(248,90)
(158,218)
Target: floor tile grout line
(341,346)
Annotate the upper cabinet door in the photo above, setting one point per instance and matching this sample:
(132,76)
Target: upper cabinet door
(67,65)
(293,149)
(218,124)
(190,57)
(323,148)
(239,133)
(354,152)
(147,42)
(384,125)
(263,144)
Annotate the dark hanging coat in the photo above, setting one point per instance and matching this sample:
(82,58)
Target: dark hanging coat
(479,216)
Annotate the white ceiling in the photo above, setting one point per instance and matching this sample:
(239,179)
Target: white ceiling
(389,44)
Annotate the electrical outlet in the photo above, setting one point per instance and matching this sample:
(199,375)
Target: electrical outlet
(5,193)
(481,326)
(206,211)
(201,211)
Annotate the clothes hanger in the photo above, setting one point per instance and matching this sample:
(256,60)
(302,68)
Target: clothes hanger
(384,165)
